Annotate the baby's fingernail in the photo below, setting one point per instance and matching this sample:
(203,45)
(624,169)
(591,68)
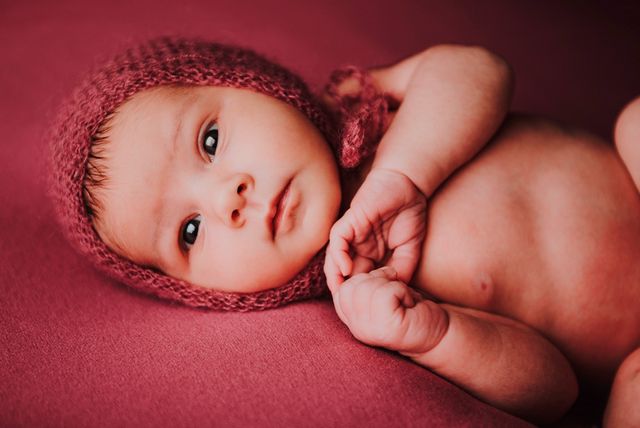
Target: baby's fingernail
(390,270)
(344,268)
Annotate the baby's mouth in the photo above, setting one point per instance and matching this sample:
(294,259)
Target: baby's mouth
(278,209)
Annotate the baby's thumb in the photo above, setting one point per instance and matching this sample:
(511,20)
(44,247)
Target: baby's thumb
(404,261)
(385,272)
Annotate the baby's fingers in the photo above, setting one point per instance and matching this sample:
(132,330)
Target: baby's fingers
(404,260)
(340,237)
(385,272)
(332,272)
(361,265)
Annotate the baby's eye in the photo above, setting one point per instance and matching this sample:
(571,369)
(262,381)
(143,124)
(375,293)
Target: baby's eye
(210,140)
(190,232)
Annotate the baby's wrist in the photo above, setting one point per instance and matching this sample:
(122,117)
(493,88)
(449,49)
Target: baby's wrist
(424,182)
(431,324)
(379,169)
(393,174)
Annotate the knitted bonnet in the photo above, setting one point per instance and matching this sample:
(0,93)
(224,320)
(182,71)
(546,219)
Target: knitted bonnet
(352,128)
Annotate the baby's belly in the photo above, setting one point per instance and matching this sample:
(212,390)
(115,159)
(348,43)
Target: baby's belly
(543,227)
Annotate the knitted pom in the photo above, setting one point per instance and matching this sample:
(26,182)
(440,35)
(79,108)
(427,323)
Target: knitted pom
(362,115)
(169,61)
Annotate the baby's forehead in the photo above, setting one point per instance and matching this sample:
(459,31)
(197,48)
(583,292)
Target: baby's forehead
(142,102)
(138,146)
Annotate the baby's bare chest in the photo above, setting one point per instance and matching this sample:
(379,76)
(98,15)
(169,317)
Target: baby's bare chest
(543,227)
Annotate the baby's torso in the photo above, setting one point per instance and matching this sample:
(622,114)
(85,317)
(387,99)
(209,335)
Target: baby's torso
(543,226)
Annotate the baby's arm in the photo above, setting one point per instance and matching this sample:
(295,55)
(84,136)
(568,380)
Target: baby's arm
(452,100)
(501,361)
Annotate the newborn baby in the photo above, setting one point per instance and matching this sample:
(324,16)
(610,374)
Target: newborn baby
(499,251)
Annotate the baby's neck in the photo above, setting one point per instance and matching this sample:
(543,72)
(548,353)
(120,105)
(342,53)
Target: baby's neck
(352,182)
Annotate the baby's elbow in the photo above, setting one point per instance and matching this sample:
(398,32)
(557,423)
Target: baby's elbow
(495,65)
(477,60)
(478,55)
(559,403)
(553,400)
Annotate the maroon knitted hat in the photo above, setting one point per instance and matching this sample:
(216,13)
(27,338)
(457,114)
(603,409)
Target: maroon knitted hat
(352,129)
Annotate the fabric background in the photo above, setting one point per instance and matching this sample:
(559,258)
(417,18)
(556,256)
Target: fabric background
(77,349)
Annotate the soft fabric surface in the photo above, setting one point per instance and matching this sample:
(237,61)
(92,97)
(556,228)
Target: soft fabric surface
(77,349)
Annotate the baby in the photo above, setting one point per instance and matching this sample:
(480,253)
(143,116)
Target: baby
(499,251)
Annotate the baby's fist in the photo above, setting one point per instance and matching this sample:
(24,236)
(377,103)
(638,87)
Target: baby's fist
(382,311)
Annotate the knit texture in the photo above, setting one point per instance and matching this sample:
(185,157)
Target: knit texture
(353,129)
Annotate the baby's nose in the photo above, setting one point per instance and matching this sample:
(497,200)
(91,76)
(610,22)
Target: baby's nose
(233,199)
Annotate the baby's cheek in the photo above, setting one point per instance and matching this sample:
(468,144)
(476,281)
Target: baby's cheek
(241,261)
(244,272)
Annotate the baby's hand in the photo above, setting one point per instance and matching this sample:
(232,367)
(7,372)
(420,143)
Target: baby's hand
(385,225)
(382,311)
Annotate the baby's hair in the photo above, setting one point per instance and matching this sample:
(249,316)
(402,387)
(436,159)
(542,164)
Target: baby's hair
(96,175)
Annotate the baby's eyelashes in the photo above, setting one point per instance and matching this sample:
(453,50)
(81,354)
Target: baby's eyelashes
(189,232)
(210,140)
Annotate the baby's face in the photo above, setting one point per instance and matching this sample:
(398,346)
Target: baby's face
(225,188)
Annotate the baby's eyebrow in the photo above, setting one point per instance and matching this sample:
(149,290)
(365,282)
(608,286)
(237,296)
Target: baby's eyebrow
(159,227)
(160,259)
(160,230)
